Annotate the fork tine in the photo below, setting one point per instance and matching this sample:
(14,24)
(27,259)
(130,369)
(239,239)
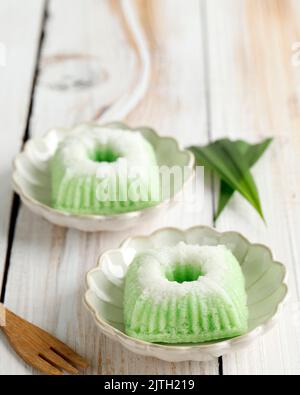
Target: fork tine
(69,355)
(60,348)
(45,367)
(30,342)
(55,359)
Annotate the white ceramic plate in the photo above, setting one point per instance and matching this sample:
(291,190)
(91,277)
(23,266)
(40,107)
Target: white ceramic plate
(265,284)
(31,180)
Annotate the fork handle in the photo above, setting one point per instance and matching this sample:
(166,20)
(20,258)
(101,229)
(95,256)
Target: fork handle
(8,321)
(6,318)
(3,316)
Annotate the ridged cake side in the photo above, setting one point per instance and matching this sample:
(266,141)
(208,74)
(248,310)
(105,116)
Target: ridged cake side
(215,308)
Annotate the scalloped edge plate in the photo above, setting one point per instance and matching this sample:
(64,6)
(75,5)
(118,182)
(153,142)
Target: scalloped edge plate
(31,166)
(119,259)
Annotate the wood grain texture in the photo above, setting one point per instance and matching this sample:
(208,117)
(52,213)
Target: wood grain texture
(48,264)
(19,52)
(253,94)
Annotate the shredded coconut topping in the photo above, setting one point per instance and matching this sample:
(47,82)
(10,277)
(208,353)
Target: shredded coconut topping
(131,148)
(213,261)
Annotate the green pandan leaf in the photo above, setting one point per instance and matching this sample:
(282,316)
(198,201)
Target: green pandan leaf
(231,160)
(252,153)
(226,192)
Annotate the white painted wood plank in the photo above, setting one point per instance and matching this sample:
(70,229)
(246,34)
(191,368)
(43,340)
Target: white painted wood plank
(19,37)
(48,264)
(253,94)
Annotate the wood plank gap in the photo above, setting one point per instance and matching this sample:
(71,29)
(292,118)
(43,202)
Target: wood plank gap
(11,232)
(206,65)
(206,68)
(220,361)
(15,207)
(37,70)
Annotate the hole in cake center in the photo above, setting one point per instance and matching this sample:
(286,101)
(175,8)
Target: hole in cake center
(184,273)
(101,154)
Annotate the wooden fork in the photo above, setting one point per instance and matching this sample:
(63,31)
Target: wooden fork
(37,347)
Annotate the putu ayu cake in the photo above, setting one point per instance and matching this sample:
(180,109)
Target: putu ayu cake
(185,294)
(102,170)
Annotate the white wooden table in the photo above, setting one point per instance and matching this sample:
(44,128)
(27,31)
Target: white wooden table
(219,68)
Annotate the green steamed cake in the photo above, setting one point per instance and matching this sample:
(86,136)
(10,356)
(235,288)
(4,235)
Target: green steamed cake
(185,294)
(100,170)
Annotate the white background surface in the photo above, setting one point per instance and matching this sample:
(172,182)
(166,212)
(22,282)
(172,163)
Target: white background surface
(219,68)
